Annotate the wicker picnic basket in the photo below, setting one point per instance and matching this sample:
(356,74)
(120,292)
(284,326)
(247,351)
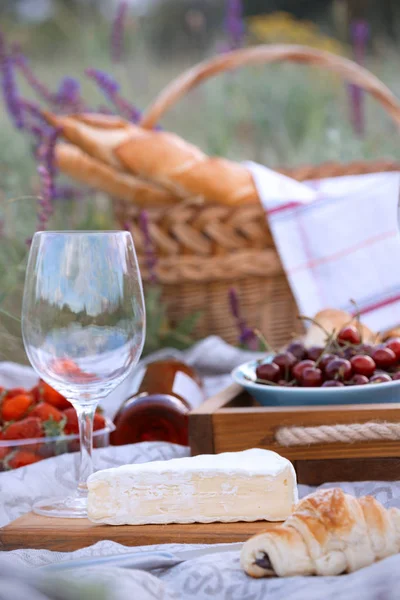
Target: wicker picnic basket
(204,249)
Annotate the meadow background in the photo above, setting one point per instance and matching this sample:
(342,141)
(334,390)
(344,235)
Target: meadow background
(279,115)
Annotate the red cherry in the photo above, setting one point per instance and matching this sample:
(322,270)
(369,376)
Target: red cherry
(349,352)
(314,352)
(363,364)
(285,361)
(311,377)
(358,379)
(381,378)
(384,357)
(366,349)
(332,383)
(339,368)
(394,345)
(349,335)
(299,368)
(297,349)
(324,360)
(268,372)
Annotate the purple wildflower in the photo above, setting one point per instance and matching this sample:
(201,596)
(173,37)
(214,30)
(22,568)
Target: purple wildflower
(234,23)
(150,256)
(117,32)
(68,93)
(68,192)
(359,36)
(49,152)
(21,62)
(106,83)
(247,336)
(47,171)
(110,89)
(45,202)
(11,99)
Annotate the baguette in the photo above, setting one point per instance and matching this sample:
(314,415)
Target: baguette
(161,157)
(74,162)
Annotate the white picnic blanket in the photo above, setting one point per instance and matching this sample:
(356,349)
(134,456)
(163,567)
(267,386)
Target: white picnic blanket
(215,575)
(338,239)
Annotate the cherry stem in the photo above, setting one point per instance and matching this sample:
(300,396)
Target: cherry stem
(263,340)
(304,318)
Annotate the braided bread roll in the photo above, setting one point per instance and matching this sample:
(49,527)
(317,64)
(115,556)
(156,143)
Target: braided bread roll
(160,157)
(329,533)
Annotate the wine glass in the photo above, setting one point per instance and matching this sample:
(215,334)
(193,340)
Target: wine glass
(83,326)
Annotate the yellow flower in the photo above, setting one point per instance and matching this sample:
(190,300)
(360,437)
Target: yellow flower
(283,28)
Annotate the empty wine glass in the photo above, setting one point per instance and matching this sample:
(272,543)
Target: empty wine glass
(83,325)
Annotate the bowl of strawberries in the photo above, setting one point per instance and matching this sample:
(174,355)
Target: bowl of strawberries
(40,423)
(338,362)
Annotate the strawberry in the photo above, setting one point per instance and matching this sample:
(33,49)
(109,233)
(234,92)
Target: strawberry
(65,366)
(14,392)
(51,396)
(21,458)
(3,451)
(30,427)
(99,422)
(16,407)
(72,426)
(45,412)
(35,393)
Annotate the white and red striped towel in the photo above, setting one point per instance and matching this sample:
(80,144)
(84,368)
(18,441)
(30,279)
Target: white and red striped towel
(338,240)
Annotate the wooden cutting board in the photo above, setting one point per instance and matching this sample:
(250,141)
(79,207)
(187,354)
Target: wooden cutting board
(65,535)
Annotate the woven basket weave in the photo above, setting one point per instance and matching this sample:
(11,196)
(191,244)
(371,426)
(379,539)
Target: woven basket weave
(203,250)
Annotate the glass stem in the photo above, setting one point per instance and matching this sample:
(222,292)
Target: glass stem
(85,420)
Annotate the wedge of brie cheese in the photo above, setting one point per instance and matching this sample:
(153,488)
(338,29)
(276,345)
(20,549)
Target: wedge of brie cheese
(251,485)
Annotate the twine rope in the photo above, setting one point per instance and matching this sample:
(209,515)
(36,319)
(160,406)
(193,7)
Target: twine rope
(328,434)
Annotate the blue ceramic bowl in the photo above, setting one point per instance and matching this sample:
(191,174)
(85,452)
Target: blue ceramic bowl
(268,395)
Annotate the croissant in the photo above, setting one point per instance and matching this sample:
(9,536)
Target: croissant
(160,157)
(329,533)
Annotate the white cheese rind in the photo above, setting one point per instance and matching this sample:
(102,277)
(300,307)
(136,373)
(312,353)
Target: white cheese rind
(251,485)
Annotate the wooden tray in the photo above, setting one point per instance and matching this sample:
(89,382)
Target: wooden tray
(66,535)
(232,420)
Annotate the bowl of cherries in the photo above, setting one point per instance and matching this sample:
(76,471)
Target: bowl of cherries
(344,371)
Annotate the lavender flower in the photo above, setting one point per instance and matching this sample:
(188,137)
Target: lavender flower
(8,85)
(117,32)
(359,36)
(106,83)
(247,336)
(21,62)
(110,89)
(68,192)
(45,202)
(234,24)
(150,256)
(68,93)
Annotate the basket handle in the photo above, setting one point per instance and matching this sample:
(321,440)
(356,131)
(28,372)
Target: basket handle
(348,69)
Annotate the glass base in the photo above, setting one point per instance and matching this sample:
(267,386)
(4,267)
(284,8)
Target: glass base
(72,507)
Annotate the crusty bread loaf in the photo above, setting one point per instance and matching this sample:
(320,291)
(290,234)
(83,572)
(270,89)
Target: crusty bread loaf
(160,157)
(74,162)
(330,320)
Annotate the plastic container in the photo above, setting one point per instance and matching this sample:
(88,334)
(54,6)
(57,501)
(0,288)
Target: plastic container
(19,453)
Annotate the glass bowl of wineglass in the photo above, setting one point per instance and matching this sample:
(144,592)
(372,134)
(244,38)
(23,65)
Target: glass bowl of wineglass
(83,326)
